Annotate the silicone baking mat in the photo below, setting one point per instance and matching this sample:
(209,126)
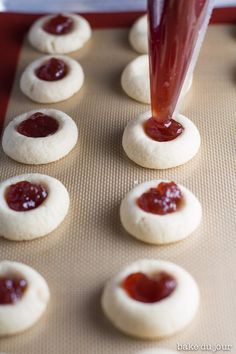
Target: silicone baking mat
(90,246)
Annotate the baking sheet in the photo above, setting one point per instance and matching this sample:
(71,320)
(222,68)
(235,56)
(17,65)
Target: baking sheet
(91,246)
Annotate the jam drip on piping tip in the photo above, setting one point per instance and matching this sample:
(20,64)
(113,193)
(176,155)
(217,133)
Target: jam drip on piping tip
(167,131)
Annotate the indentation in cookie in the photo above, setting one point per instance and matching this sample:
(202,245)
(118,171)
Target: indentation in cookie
(52,70)
(59,25)
(164,199)
(144,288)
(166,131)
(25,196)
(38,125)
(11,289)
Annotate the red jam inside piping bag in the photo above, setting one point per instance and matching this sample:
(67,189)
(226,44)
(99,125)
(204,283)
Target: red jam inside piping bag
(11,290)
(149,289)
(174,27)
(52,70)
(166,198)
(25,196)
(58,25)
(38,125)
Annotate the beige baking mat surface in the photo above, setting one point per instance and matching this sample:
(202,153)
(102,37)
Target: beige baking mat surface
(91,246)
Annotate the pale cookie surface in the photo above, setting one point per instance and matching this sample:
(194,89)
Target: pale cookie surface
(38,222)
(60,44)
(41,150)
(158,319)
(138,35)
(135,79)
(149,153)
(17,317)
(43,91)
(136,83)
(159,229)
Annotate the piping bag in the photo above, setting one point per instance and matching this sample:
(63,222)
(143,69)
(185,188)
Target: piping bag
(176,32)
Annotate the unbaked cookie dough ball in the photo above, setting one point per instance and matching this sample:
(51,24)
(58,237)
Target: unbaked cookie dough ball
(147,152)
(135,80)
(151,299)
(138,35)
(24,295)
(52,79)
(59,34)
(31,206)
(160,212)
(40,136)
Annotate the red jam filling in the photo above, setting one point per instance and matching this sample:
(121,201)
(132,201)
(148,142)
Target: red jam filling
(164,199)
(11,290)
(143,288)
(58,25)
(174,27)
(38,125)
(167,131)
(24,196)
(53,70)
